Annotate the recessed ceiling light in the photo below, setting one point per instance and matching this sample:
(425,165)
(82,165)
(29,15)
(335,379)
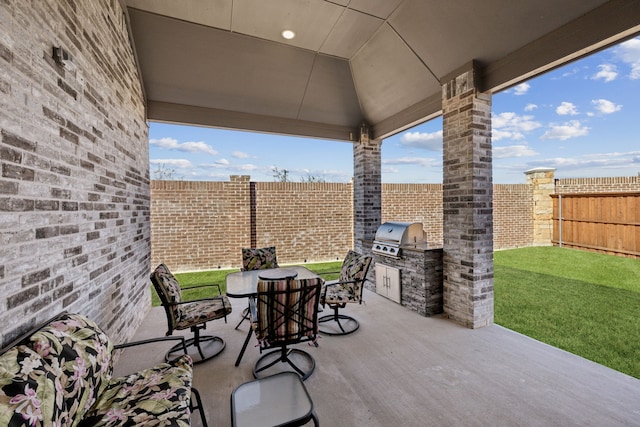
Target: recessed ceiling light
(288,34)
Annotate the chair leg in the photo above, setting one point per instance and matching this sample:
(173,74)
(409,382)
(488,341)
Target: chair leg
(195,346)
(284,355)
(198,406)
(351,324)
(245,316)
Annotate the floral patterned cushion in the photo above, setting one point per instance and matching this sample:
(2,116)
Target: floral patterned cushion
(158,396)
(259,259)
(187,314)
(62,376)
(348,287)
(197,312)
(168,290)
(56,376)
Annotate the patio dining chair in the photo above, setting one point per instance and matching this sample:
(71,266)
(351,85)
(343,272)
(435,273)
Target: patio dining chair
(192,315)
(283,313)
(257,259)
(346,290)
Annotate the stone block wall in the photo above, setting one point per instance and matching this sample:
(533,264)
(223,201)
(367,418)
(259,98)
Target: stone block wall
(74,162)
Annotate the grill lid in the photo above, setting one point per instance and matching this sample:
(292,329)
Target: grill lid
(400,233)
(392,236)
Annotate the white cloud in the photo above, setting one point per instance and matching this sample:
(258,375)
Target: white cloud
(565,131)
(521,89)
(629,53)
(497,135)
(530,107)
(222,162)
(513,151)
(430,141)
(605,106)
(511,126)
(607,72)
(614,160)
(419,161)
(189,147)
(240,155)
(179,163)
(567,108)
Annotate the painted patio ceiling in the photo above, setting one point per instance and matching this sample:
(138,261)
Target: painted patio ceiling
(224,63)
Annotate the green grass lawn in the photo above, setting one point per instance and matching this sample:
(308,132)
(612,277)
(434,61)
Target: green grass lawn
(582,302)
(585,303)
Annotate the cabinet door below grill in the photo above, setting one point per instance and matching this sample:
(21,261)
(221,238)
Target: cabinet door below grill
(388,282)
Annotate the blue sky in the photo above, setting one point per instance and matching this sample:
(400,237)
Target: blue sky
(582,119)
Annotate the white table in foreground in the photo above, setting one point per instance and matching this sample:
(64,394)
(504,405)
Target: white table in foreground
(281,399)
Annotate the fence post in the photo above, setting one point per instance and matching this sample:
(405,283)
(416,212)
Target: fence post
(560,219)
(542,187)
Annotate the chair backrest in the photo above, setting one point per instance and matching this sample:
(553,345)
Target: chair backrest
(168,289)
(287,310)
(259,258)
(354,269)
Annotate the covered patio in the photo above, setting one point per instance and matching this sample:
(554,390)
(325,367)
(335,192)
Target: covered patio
(402,369)
(81,80)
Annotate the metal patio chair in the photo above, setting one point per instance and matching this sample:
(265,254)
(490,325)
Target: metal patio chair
(257,259)
(192,315)
(283,313)
(346,290)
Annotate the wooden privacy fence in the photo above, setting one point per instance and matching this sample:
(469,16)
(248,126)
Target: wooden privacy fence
(600,222)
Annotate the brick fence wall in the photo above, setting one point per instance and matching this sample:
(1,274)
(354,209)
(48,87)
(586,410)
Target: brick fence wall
(203,225)
(74,161)
(597,185)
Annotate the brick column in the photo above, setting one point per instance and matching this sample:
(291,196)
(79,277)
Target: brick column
(367,190)
(467,202)
(542,181)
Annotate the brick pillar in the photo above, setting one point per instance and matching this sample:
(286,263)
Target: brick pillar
(467,202)
(367,190)
(542,181)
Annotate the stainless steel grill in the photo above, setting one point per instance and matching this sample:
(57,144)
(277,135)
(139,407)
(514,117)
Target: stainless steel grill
(392,237)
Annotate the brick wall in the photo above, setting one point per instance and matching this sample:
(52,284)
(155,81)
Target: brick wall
(512,216)
(198,224)
(306,222)
(202,225)
(74,185)
(415,203)
(597,185)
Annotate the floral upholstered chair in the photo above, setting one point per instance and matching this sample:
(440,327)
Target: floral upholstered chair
(285,312)
(190,315)
(60,374)
(346,290)
(257,259)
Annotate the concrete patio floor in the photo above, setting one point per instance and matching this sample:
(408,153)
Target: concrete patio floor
(402,369)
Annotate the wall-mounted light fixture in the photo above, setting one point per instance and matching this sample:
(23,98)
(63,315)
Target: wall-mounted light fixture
(63,57)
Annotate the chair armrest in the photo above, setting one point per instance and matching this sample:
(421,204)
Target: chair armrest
(219,297)
(188,288)
(338,282)
(152,340)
